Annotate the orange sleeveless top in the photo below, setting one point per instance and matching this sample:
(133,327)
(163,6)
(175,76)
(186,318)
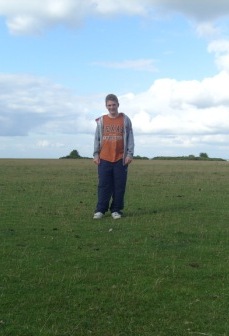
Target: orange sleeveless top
(112,143)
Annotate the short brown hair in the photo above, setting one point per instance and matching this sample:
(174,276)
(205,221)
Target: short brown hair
(112,97)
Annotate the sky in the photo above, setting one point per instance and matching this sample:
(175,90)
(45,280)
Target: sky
(166,60)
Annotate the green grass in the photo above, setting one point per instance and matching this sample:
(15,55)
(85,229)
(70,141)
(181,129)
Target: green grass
(163,269)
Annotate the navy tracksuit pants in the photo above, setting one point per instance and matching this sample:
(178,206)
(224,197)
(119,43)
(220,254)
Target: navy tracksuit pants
(111,186)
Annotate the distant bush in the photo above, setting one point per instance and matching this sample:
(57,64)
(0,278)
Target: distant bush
(203,155)
(73,155)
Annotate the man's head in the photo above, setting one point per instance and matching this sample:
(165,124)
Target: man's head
(112,105)
(111,97)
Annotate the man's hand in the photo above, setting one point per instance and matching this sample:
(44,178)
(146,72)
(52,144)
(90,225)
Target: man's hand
(96,160)
(127,160)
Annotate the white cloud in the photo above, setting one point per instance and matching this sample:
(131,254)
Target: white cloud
(30,17)
(208,30)
(47,143)
(181,108)
(221,50)
(171,114)
(203,10)
(28,103)
(43,143)
(129,7)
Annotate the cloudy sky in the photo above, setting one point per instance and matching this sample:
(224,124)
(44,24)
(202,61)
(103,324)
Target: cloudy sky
(167,61)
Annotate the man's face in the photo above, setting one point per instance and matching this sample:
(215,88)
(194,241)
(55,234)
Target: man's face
(112,107)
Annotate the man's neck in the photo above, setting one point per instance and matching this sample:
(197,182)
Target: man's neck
(113,115)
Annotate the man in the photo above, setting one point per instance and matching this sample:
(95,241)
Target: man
(113,152)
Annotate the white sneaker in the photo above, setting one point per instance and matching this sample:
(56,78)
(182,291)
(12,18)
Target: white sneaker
(98,215)
(116,215)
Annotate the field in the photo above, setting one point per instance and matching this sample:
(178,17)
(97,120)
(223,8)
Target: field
(162,270)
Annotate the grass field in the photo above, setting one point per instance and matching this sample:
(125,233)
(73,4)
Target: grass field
(163,269)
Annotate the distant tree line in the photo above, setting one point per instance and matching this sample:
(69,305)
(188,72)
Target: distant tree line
(138,157)
(201,157)
(74,154)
